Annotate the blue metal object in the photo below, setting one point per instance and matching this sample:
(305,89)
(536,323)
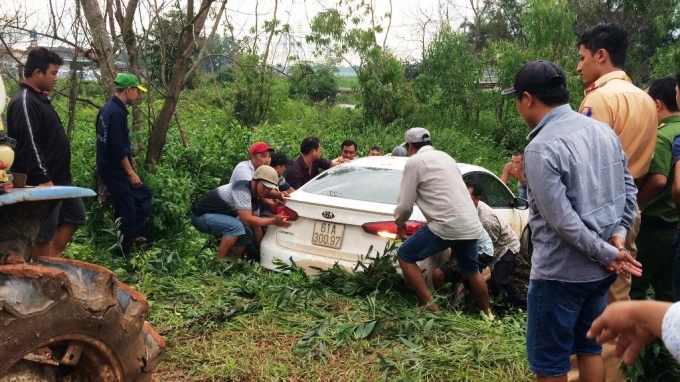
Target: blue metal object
(32,194)
(22,213)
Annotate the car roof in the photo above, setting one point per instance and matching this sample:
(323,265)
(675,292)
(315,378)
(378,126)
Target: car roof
(397,163)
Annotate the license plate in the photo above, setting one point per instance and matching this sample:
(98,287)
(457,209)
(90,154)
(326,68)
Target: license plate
(328,234)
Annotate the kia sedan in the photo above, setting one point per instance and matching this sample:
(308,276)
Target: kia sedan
(337,216)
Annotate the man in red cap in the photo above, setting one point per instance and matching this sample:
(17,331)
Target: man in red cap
(260,154)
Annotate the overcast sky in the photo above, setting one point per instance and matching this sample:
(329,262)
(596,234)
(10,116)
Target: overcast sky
(404,38)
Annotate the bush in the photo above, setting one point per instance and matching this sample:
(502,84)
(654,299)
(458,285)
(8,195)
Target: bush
(318,84)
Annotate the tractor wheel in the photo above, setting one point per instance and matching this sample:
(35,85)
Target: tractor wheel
(67,320)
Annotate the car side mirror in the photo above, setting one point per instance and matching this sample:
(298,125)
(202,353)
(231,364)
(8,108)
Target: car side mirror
(520,204)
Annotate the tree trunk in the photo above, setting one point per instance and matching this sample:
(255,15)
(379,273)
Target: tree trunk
(161,124)
(101,42)
(130,40)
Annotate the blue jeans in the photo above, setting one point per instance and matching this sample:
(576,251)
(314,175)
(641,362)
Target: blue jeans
(424,244)
(559,316)
(223,226)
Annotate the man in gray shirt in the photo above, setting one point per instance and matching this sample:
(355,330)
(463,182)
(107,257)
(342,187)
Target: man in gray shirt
(433,181)
(582,204)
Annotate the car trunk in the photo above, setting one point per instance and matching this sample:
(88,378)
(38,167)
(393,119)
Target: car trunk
(328,227)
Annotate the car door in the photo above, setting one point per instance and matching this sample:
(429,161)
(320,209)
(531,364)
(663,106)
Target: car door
(499,197)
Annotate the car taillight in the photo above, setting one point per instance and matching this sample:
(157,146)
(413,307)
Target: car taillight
(281,209)
(388,229)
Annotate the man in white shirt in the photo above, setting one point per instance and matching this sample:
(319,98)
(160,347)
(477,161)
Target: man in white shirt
(433,181)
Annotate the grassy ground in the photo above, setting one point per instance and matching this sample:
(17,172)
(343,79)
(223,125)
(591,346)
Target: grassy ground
(240,322)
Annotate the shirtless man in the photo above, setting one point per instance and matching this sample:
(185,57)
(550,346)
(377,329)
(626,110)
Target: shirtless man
(515,168)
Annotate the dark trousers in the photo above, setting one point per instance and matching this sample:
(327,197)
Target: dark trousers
(131,206)
(656,253)
(500,281)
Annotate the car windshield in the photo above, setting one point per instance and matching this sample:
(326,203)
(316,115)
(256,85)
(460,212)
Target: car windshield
(368,184)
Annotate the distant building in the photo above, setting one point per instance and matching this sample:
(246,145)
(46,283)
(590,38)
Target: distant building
(489,79)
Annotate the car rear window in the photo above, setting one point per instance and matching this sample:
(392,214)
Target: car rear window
(368,184)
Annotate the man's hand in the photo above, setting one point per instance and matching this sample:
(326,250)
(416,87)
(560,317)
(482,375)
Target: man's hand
(281,221)
(46,184)
(401,233)
(338,160)
(625,265)
(135,182)
(618,242)
(633,322)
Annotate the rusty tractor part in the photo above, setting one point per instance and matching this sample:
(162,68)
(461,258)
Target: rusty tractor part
(60,319)
(67,320)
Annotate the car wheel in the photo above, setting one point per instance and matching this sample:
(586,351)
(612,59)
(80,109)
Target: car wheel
(65,319)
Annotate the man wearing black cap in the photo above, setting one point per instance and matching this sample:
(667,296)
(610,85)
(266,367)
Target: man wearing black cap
(582,204)
(280,163)
(433,181)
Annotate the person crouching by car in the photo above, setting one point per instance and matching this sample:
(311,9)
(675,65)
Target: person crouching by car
(232,212)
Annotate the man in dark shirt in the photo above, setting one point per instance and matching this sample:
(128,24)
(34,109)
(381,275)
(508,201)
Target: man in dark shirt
(308,163)
(131,198)
(43,150)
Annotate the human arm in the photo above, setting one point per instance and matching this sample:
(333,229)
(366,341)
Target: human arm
(651,187)
(550,195)
(24,125)
(135,181)
(659,170)
(636,323)
(117,145)
(505,177)
(630,209)
(338,160)
(408,193)
(597,106)
(248,218)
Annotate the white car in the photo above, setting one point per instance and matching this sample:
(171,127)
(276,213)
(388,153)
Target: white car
(337,216)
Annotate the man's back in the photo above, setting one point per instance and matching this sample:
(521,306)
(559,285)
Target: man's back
(630,112)
(113,138)
(441,195)
(582,159)
(243,171)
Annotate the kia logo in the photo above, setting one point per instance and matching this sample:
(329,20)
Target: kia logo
(327,214)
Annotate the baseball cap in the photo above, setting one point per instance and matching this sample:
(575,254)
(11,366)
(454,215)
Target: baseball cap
(417,135)
(399,151)
(538,77)
(128,80)
(268,176)
(279,159)
(259,147)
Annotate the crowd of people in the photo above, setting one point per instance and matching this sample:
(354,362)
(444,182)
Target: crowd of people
(602,184)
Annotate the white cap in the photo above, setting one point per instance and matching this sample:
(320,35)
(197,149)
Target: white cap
(417,135)
(268,176)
